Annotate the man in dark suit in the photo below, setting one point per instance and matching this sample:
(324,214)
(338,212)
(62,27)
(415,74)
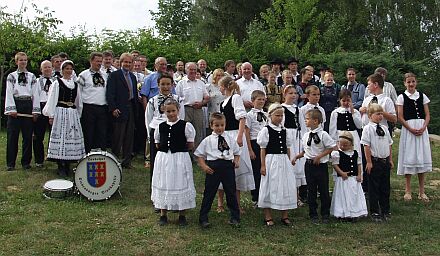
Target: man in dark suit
(122,103)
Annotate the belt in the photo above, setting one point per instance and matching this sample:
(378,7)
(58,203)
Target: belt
(309,161)
(377,159)
(22,98)
(67,103)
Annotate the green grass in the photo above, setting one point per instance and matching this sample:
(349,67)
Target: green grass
(33,225)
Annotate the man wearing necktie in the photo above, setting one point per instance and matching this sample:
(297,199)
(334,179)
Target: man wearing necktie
(122,103)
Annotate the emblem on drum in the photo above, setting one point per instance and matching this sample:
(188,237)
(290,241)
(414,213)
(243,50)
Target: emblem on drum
(96,174)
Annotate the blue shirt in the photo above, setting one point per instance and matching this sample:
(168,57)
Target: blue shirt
(357,94)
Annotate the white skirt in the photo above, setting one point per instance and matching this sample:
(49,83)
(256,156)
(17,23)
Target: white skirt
(348,200)
(278,187)
(173,183)
(66,138)
(414,151)
(296,148)
(244,176)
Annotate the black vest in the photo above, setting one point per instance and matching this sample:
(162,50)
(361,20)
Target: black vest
(228,111)
(173,137)
(66,94)
(291,119)
(345,122)
(413,109)
(348,163)
(277,141)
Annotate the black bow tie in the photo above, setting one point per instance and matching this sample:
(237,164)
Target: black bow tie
(22,80)
(315,137)
(222,144)
(374,100)
(161,100)
(380,131)
(98,81)
(261,117)
(315,107)
(58,74)
(47,84)
(109,71)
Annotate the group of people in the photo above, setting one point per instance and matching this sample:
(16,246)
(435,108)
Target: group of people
(273,135)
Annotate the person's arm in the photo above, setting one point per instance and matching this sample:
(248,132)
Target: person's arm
(248,140)
(204,166)
(389,112)
(403,121)
(263,161)
(341,173)
(317,159)
(427,119)
(300,155)
(369,165)
(241,128)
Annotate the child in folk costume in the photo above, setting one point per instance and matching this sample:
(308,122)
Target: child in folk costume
(64,108)
(22,106)
(348,200)
(219,156)
(256,119)
(313,95)
(346,118)
(414,147)
(233,109)
(155,113)
(278,182)
(173,184)
(291,123)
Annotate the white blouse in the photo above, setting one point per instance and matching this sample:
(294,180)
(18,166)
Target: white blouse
(52,100)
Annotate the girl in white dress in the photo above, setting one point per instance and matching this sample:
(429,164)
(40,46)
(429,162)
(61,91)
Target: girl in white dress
(173,184)
(233,109)
(414,148)
(348,200)
(291,123)
(278,181)
(64,107)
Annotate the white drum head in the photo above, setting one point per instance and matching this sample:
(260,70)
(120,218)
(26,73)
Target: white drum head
(58,185)
(98,176)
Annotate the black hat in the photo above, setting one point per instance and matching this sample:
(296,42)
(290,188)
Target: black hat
(292,59)
(277,61)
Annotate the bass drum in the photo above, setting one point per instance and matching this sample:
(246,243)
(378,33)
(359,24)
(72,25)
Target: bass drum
(98,175)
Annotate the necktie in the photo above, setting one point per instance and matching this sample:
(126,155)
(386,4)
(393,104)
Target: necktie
(130,89)
(160,100)
(315,137)
(374,100)
(58,74)
(98,81)
(380,131)
(261,117)
(222,144)
(47,84)
(22,78)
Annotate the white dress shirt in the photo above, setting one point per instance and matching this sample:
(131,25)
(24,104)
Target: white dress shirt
(386,103)
(379,145)
(16,89)
(91,93)
(208,148)
(252,123)
(191,91)
(248,86)
(315,149)
(302,116)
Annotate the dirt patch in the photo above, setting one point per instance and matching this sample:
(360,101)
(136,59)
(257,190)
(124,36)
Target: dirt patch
(435,169)
(13,189)
(434,183)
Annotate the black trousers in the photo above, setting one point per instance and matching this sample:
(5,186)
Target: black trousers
(256,168)
(123,134)
(14,126)
(364,174)
(223,172)
(327,121)
(39,130)
(379,186)
(317,180)
(153,153)
(94,125)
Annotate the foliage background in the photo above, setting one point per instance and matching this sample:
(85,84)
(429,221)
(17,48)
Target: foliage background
(400,35)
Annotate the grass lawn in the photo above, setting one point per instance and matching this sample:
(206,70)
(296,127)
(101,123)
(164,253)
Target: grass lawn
(33,225)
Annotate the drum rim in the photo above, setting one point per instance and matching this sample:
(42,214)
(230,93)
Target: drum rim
(70,183)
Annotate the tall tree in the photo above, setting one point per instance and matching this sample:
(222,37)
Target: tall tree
(173,19)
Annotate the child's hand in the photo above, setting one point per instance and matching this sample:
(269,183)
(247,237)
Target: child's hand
(363,110)
(263,170)
(391,164)
(368,167)
(252,154)
(240,141)
(359,178)
(236,163)
(316,160)
(293,160)
(344,175)
(207,169)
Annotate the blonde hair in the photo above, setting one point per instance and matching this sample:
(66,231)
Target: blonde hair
(374,108)
(263,67)
(346,135)
(229,84)
(257,93)
(19,54)
(215,73)
(315,114)
(288,87)
(216,116)
(408,75)
(311,88)
(274,107)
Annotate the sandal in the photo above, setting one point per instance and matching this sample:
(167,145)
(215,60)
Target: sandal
(269,222)
(407,197)
(286,221)
(424,197)
(220,209)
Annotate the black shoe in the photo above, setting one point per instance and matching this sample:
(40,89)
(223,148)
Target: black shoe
(156,210)
(325,220)
(26,167)
(234,222)
(163,220)
(315,220)
(376,217)
(182,221)
(39,165)
(10,168)
(205,224)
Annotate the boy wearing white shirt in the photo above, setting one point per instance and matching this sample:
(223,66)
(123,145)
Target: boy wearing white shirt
(378,154)
(218,155)
(317,146)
